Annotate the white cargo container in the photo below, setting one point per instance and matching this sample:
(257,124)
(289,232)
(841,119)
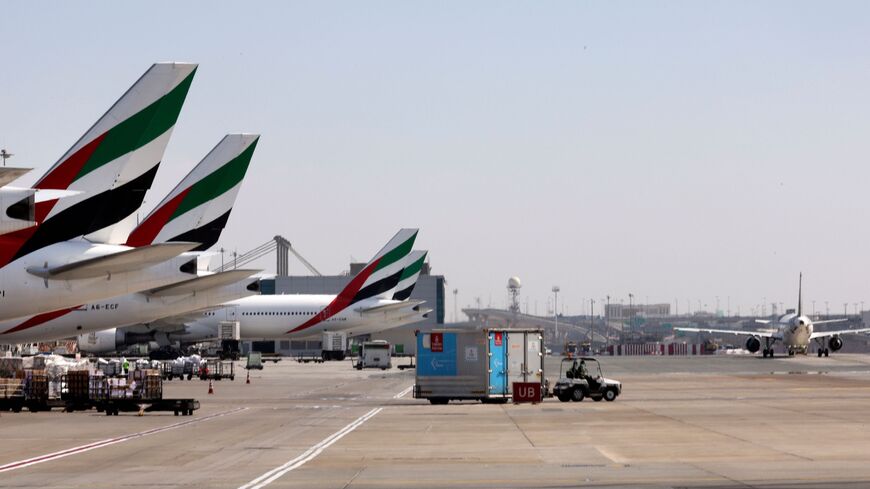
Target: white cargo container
(229,330)
(334,345)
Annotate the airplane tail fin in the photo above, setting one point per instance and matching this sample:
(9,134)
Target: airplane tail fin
(113,164)
(383,272)
(198,208)
(377,279)
(408,279)
(800,293)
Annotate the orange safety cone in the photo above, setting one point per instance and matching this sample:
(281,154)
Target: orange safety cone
(248,380)
(210,387)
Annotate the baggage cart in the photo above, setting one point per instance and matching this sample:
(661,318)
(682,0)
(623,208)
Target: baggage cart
(75,390)
(11,395)
(142,394)
(217,370)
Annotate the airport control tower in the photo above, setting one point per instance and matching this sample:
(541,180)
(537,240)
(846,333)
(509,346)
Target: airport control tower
(513,288)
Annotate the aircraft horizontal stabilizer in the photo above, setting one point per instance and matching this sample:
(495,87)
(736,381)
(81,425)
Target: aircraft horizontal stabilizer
(762,334)
(823,334)
(204,282)
(829,321)
(390,307)
(123,261)
(9,174)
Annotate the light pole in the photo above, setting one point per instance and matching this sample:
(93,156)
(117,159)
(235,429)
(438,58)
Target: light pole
(814,308)
(827,309)
(556,309)
(592,325)
(455,304)
(630,318)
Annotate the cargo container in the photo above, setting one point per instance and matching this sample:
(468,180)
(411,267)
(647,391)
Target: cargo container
(333,345)
(478,365)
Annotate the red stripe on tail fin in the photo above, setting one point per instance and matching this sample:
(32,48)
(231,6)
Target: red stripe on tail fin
(341,301)
(146,231)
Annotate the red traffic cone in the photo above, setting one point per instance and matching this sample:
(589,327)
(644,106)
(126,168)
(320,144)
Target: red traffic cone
(248,380)
(210,387)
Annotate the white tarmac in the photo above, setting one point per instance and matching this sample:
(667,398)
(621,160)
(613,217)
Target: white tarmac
(681,422)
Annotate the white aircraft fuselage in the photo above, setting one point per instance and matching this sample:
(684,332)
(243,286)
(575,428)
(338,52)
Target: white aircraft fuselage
(796,332)
(24,294)
(282,316)
(115,312)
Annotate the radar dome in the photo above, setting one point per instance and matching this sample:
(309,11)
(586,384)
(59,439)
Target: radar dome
(514,283)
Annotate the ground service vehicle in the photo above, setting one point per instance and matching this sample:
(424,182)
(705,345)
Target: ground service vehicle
(574,386)
(374,354)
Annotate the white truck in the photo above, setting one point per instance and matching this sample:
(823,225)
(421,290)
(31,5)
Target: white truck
(374,354)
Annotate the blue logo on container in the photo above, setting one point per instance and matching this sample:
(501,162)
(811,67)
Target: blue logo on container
(437,364)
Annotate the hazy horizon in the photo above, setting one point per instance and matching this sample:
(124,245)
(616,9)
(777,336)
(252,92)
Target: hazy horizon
(676,151)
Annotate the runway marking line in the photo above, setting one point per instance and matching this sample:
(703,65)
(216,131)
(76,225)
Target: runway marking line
(317,449)
(109,441)
(309,454)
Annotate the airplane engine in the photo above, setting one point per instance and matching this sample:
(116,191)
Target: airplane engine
(835,343)
(753,344)
(111,340)
(17,208)
(100,341)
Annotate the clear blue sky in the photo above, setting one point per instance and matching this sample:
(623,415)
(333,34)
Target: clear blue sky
(676,150)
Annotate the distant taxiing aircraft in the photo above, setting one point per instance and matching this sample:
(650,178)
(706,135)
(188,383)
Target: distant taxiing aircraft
(793,330)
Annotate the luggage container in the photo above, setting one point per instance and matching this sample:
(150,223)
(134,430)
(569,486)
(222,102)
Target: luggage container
(229,333)
(255,361)
(477,365)
(334,345)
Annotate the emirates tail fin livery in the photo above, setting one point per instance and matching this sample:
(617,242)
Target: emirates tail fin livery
(410,275)
(199,207)
(376,281)
(306,315)
(161,289)
(112,166)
